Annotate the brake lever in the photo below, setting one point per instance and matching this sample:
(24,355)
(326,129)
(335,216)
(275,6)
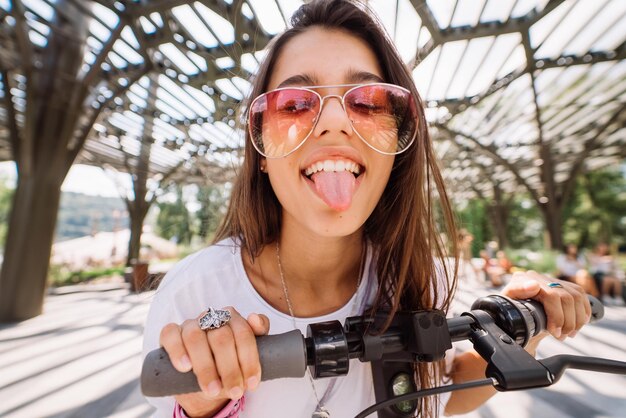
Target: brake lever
(507,362)
(557,365)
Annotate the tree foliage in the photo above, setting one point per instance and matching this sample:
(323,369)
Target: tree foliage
(598,211)
(526,227)
(473,217)
(212,208)
(174,221)
(6,194)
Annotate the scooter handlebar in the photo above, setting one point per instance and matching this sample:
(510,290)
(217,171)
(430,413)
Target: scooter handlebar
(285,355)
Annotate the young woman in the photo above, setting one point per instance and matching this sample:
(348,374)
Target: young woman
(606,273)
(332,214)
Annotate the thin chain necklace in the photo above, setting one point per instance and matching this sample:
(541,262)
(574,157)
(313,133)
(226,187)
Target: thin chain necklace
(320,411)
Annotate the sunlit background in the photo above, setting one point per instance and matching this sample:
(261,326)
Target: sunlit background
(120,135)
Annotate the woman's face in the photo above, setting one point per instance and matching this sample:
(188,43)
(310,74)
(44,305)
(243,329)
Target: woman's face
(336,202)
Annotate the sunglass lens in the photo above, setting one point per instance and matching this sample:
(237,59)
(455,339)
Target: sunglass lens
(281,120)
(384,116)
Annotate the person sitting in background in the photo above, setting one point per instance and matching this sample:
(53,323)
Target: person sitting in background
(606,273)
(504,262)
(571,267)
(464,243)
(492,270)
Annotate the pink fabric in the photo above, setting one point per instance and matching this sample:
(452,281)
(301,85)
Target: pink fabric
(231,410)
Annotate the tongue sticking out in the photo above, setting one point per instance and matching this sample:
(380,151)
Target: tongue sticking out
(335,188)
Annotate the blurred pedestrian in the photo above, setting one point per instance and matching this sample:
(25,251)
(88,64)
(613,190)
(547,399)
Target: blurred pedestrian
(606,273)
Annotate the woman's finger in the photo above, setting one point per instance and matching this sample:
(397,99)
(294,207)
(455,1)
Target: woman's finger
(223,347)
(201,357)
(247,352)
(171,340)
(569,312)
(582,307)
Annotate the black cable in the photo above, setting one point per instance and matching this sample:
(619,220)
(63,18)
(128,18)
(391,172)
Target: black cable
(422,393)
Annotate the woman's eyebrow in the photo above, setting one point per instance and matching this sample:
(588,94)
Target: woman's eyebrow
(352,77)
(298,80)
(358,77)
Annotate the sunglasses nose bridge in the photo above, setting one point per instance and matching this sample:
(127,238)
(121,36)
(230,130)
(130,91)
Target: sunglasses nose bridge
(322,106)
(332,96)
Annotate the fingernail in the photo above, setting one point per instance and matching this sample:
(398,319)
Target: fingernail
(588,318)
(573,334)
(185,363)
(235,393)
(252,383)
(558,332)
(214,388)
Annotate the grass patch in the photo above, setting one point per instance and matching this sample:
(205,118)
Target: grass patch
(543,261)
(61,276)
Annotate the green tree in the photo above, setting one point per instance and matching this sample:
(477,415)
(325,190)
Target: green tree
(598,210)
(525,228)
(474,218)
(212,208)
(6,194)
(174,221)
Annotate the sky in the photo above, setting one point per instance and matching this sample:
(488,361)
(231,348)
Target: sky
(80,179)
(94,181)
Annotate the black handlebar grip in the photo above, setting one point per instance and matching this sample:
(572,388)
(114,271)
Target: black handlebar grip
(160,378)
(539,315)
(280,355)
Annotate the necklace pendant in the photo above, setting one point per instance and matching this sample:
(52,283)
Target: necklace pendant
(321,413)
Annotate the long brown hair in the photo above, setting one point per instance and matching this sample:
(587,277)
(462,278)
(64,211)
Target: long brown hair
(402,227)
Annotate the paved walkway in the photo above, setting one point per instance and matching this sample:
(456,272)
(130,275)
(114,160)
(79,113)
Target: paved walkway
(81,358)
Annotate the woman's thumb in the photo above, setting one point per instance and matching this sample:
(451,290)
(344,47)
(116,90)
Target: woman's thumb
(259,323)
(522,289)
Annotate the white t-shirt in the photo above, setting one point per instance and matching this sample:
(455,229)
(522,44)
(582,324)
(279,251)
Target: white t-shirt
(602,264)
(568,266)
(216,277)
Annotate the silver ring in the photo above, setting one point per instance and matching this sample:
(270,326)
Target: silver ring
(555,284)
(214,319)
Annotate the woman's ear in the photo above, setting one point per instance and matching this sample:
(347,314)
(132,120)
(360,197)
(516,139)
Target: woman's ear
(263,165)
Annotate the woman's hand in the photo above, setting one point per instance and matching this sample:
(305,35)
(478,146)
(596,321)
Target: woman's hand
(567,308)
(225,360)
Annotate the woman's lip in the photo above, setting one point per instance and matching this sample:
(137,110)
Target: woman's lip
(333,153)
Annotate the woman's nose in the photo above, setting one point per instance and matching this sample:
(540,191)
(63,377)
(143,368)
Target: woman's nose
(332,118)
